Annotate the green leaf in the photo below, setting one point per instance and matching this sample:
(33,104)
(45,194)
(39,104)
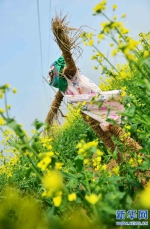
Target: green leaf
(145,165)
(79,162)
(111,121)
(38,124)
(78,200)
(146,61)
(108,209)
(147,119)
(100,104)
(27,173)
(130,111)
(115,153)
(140,83)
(129,200)
(16,127)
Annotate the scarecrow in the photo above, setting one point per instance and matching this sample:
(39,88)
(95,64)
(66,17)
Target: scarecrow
(76,87)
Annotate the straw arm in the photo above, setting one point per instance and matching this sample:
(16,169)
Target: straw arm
(54,108)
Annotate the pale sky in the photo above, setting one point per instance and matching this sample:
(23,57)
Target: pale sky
(20,63)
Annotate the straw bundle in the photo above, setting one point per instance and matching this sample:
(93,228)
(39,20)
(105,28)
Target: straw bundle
(119,133)
(66,43)
(52,114)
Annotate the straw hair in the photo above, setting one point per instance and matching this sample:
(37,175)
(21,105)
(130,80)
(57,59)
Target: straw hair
(66,38)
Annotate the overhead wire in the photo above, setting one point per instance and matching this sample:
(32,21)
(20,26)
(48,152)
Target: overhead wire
(49,44)
(38,13)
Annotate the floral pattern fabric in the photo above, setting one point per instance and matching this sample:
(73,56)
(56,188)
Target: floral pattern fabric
(82,89)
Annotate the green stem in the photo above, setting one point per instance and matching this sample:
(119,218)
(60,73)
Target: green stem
(106,17)
(6,105)
(124,40)
(88,186)
(106,59)
(89,190)
(34,168)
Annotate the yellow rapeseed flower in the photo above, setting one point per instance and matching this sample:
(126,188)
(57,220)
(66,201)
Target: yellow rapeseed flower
(91,42)
(92,198)
(99,153)
(130,56)
(58,165)
(116,170)
(2,110)
(114,52)
(123,75)
(123,93)
(90,144)
(117,24)
(104,24)
(44,193)
(97,168)
(89,35)
(127,51)
(85,43)
(128,127)
(114,17)
(132,162)
(84,103)
(132,44)
(1,95)
(107,30)
(52,182)
(103,2)
(98,159)
(125,31)
(100,7)
(44,163)
(72,197)
(146,54)
(114,7)
(123,88)
(93,180)
(139,160)
(95,67)
(7,85)
(144,197)
(57,201)
(8,106)
(14,90)
(2,122)
(123,15)
(86,161)
(104,167)
(101,36)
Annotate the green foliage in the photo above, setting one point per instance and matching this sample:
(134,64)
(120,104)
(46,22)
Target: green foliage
(69,137)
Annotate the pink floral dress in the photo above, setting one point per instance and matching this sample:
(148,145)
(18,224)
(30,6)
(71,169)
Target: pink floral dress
(81,89)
